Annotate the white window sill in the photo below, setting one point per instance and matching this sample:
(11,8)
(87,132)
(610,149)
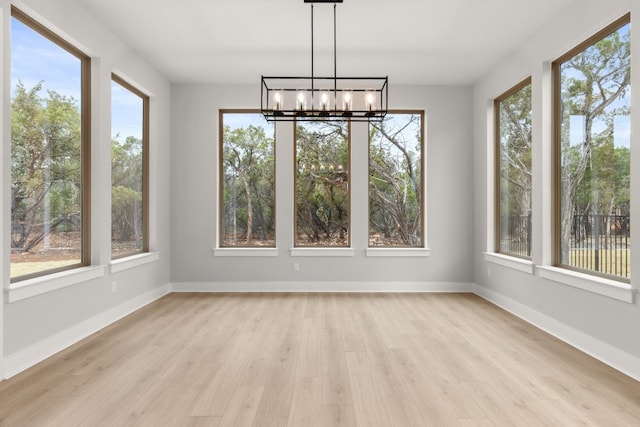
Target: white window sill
(398,252)
(523,265)
(322,252)
(598,285)
(133,261)
(51,282)
(248,252)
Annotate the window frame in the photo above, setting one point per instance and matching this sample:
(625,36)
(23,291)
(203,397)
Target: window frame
(301,250)
(253,250)
(145,165)
(556,223)
(406,250)
(498,164)
(85,142)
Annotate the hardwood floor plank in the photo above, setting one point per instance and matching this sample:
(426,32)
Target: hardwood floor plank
(429,395)
(333,359)
(476,423)
(306,407)
(275,405)
(350,309)
(338,416)
(242,407)
(310,361)
(159,404)
(373,340)
(397,396)
(564,414)
(499,411)
(368,403)
(336,389)
(216,395)
(201,422)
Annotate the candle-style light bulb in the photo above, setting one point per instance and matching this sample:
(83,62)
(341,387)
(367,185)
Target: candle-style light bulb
(347,101)
(371,99)
(277,97)
(324,100)
(301,100)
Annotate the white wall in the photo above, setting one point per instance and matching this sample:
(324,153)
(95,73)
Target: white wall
(603,326)
(37,326)
(195,211)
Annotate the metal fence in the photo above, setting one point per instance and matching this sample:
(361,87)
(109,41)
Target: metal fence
(515,235)
(598,243)
(601,243)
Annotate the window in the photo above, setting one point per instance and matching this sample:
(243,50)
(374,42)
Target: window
(513,177)
(129,169)
(247,180)
(396,167)
(50,157)
(592,87)
(322,196)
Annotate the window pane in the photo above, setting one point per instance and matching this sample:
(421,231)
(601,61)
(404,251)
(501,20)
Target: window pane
(248,180)
(514,132)
(595,156)
(395,181)
(322,184)
(127,171)
(46,147)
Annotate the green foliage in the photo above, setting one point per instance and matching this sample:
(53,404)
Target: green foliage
(248,187)
(126,213)
(45,165)
(126,163)
(322,184)
(126,192)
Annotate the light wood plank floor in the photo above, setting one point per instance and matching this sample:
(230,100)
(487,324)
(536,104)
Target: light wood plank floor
(320,360)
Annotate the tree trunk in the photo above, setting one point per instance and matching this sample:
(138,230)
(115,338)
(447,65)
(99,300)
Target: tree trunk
(247,190)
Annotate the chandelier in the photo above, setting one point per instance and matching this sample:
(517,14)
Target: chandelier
(324,98)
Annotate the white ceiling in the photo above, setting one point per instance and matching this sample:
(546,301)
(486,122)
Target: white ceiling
(411,41)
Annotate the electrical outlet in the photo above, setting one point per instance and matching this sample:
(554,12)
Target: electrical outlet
(296,266)
(114,286)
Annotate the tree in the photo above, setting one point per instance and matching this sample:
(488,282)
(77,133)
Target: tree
(514,113)
(594,84)
(322,184)
(248,162)
(126,191)
(45,166)
(395,184)
(515,152)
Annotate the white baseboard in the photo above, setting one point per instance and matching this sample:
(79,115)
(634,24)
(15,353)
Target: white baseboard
(620,360)
(35,353)
(322,287)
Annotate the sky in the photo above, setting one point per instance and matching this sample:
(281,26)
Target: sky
(126,113)
(242,120)
(621,124)
(621,130)
(34,58)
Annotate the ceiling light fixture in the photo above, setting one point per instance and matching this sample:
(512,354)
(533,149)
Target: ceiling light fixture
(324,98)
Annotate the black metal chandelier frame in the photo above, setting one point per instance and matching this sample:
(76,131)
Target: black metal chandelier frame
(324,98)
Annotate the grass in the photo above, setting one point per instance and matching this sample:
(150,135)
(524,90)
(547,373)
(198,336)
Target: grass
(615,262)
(29,267)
